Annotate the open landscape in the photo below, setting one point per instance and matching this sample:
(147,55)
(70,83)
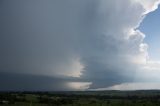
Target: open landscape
(81,98)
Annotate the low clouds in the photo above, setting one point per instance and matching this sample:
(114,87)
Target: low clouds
(95,42)
(22,82)
(133,86)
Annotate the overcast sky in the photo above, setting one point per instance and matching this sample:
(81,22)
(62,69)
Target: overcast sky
(75,45)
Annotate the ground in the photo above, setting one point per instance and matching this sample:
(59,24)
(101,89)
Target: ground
(81,98)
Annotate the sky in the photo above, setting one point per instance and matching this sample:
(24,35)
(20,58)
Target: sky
(61,45)
(150,27)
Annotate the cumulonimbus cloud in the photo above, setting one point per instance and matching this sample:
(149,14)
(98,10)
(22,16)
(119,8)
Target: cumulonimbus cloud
(95,41)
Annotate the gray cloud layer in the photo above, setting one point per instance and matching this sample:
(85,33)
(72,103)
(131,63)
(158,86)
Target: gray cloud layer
(93,40)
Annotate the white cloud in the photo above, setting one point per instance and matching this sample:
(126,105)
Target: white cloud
(149,5)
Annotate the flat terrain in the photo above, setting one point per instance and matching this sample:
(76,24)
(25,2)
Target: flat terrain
(81,98)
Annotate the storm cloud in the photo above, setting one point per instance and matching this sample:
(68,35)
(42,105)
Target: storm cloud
(72,43)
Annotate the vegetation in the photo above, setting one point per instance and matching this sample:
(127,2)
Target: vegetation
(81,98)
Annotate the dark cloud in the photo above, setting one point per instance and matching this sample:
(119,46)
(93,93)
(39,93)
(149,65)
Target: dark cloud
(95,41)
(27,82)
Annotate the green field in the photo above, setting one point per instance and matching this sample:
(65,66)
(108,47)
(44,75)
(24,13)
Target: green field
(81,98)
